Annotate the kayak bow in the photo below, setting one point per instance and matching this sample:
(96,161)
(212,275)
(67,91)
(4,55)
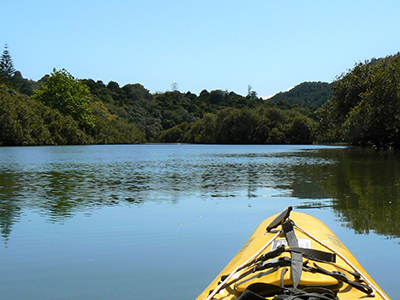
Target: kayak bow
(293,256)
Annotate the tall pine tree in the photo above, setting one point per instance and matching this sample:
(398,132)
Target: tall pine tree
(6,67)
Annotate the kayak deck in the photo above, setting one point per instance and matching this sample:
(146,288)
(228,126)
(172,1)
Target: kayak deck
(299,254)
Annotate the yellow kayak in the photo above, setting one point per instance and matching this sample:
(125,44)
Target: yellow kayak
(293,256)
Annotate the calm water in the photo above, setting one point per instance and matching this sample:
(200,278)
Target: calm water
(161,221)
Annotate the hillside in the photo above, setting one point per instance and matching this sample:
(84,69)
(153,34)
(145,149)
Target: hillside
(305,94)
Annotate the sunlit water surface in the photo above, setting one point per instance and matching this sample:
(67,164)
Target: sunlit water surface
(161,221)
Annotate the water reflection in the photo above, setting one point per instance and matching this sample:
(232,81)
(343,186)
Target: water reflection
(361,186)
(365,189)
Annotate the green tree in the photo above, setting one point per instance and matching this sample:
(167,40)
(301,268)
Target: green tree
(250,93)
(202,131)
(304,95)
(238,126)
(24,121)
(365,105)
(301,131)
(110,130)
(70,96)
(6,67)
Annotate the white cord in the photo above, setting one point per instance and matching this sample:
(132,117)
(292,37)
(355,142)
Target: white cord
(217,289)
(346,260)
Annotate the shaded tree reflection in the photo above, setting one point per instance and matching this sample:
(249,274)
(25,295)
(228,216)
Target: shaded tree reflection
(9,204)
(360,185)
(366,190)
(363,187)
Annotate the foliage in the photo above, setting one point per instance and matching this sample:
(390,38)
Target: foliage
(202,131)
(304,95)
(365,105)
(363,109)
(7,69)
(132,103)
(24,121)
(244,126)
(71,97)
(12,78)
(161,111)
(301,130)
(109,130)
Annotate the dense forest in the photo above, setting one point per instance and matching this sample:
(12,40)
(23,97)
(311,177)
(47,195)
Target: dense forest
(365,106)
(359,107)
(308,95)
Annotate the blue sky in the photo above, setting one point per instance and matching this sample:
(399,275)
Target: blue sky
(228,45)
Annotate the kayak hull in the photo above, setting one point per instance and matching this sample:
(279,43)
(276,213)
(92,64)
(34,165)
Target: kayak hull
(311,233)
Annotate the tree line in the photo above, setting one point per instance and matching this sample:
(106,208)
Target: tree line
(261,125)
(359,107)
(364,108)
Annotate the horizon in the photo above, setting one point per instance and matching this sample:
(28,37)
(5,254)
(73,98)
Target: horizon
(199,45)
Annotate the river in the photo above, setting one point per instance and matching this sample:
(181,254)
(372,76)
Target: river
(161,221)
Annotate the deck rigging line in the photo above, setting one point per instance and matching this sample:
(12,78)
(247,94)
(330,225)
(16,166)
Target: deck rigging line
(344,259)
(217,289)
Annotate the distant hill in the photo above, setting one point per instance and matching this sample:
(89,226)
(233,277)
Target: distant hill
(305,94)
